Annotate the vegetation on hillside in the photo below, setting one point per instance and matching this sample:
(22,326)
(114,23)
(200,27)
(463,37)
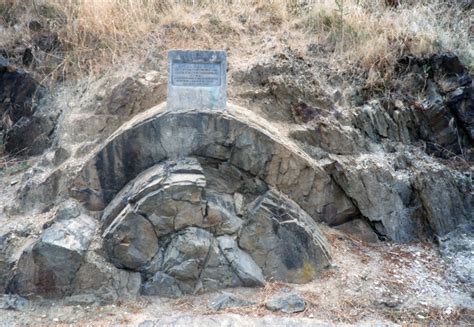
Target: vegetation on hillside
(77,38)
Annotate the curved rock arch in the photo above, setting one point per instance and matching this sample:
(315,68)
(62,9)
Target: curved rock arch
(237,136)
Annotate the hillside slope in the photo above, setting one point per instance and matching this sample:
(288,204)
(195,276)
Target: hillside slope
(350,127)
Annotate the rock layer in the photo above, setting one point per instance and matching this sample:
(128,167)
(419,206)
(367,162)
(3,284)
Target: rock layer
(210,135)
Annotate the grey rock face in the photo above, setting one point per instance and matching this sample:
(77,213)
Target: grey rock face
(108,283)
(12,302)
(405,199)
(279,82)
(186,256)
(7,247)
(288,304)
(447,198)
(218,272)
(28,118)
(371,186)
(458,249)
(461,103)
(49,266)
(134,94)
(283,240)
(32,135)
(445,116)
(163,285)
(215,136)
(359,229)
(27,126)
(184,199)
(246,269)
(442,134)
(201,201)
(4,264)
(131,241)
(176,186)
(220,209)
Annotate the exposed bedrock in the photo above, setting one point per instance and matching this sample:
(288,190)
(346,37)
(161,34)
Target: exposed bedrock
(187,228)
(403,198)
(179,203)
(183,226)
(65,262)
(48,266)
(26,118)
(243,146)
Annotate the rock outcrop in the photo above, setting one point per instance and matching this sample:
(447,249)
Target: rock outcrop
(179,227)
(446,113)
(212,202)
(26,120)
(175,203)
(49,265)
(234,145)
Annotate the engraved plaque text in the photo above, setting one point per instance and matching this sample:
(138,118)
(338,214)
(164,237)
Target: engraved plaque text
(191,74)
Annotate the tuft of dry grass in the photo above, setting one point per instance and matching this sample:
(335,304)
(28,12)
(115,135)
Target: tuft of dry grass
(95,34)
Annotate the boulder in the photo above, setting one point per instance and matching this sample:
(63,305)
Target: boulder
(283,239)
(162,284)
(287,303)
(49,265)
(243,265)
(130,241)
(108,285)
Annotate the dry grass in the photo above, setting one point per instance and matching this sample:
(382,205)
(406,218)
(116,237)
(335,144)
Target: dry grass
(95,34)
